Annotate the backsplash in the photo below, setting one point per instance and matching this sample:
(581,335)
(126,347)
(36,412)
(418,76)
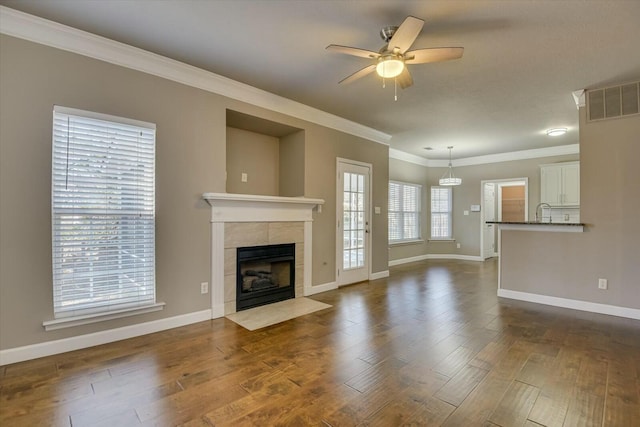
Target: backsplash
(560,215)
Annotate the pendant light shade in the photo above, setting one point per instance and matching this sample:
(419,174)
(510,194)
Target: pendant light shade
(448,178)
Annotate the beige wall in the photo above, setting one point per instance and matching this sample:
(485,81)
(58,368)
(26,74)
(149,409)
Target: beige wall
(466,228)
(256,155)
(568,265)
(321,161)
(292,165)
(191,159)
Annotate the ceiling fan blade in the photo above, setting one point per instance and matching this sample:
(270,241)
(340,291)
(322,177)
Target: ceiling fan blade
(360,73)
(404,79)
(421,56)
(363,53)
(406,34)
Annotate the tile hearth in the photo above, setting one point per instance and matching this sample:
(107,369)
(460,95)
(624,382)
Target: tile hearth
(267,315)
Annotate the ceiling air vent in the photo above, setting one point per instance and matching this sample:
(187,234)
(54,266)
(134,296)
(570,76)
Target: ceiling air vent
(615,101)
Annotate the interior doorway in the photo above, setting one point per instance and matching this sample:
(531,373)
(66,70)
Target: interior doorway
(512,202)
(502,200)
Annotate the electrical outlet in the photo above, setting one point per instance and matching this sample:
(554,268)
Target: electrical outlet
(602,284)
(243,177)
(204,287)
(458,246)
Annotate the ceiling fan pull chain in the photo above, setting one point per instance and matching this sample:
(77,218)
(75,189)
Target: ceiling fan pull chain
(384,83)
(395,88)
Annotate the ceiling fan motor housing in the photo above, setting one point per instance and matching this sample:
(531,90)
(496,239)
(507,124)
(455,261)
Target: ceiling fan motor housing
(387,32)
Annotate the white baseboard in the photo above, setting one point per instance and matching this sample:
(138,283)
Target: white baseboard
(316,289)
(34,351)
(379,275)
(434,256)
(407,260)
(217,311)
(455,256)
(594,307)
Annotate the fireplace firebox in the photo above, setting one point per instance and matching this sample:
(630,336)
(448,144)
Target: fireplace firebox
(264,275)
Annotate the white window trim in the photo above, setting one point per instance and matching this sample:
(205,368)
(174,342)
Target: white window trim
(68,322)
(450,237)
(405,242)
(419,239)
(123,310)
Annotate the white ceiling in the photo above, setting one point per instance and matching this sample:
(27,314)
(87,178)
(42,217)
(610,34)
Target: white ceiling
(522,59)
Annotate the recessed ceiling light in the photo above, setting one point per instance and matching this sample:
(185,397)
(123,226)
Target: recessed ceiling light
(556,131)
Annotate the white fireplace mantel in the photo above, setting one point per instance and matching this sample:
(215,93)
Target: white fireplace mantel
(246,208)
(226,207)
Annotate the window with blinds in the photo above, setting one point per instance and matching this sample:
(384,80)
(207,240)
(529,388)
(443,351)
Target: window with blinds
(441,213)
(103,213)
(404,211)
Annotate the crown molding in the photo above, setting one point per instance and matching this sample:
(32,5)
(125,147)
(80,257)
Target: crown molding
(535,153)
(38,30)
(407,157)
(579,98)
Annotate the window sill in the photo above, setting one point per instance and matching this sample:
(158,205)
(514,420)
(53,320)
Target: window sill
(443,240)
(406,242)
(69,322)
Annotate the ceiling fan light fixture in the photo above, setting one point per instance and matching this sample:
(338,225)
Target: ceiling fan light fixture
(556,131)
(448,179)
(390,66)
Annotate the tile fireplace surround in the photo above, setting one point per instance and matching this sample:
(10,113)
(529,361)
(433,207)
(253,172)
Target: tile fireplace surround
(239,220)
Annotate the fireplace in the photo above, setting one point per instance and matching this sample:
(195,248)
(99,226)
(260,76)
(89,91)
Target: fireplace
(264,274)
(243,220)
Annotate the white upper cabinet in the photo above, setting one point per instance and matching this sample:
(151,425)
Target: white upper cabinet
(560,184)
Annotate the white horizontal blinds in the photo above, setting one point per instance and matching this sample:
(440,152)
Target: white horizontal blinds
(404,211)
(103,213)
(440,212)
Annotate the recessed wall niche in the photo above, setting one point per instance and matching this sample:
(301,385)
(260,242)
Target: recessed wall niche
(264,157)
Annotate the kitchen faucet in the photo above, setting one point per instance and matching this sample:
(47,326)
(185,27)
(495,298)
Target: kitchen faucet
(539,219)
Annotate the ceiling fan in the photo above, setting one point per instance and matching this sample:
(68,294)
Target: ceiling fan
(392,59)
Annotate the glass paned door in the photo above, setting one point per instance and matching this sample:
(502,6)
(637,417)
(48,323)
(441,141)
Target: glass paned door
(353,223)
(353,220)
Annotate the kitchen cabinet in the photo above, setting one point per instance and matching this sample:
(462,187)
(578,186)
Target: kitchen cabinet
(560,184)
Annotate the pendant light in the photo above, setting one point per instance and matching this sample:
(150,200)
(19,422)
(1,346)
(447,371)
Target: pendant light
(448,178)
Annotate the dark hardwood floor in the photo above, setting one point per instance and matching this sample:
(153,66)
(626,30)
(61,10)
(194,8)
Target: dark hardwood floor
(431,345)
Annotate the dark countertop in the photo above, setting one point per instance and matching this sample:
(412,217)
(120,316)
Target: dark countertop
(577,224)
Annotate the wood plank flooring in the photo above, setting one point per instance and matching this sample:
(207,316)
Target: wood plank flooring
(431,345)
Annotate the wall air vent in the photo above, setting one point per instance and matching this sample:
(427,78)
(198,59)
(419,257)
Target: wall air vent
(615,101)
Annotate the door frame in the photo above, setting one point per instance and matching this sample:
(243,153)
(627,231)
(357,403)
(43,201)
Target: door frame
(483,251)
(499,184)
(339,236)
